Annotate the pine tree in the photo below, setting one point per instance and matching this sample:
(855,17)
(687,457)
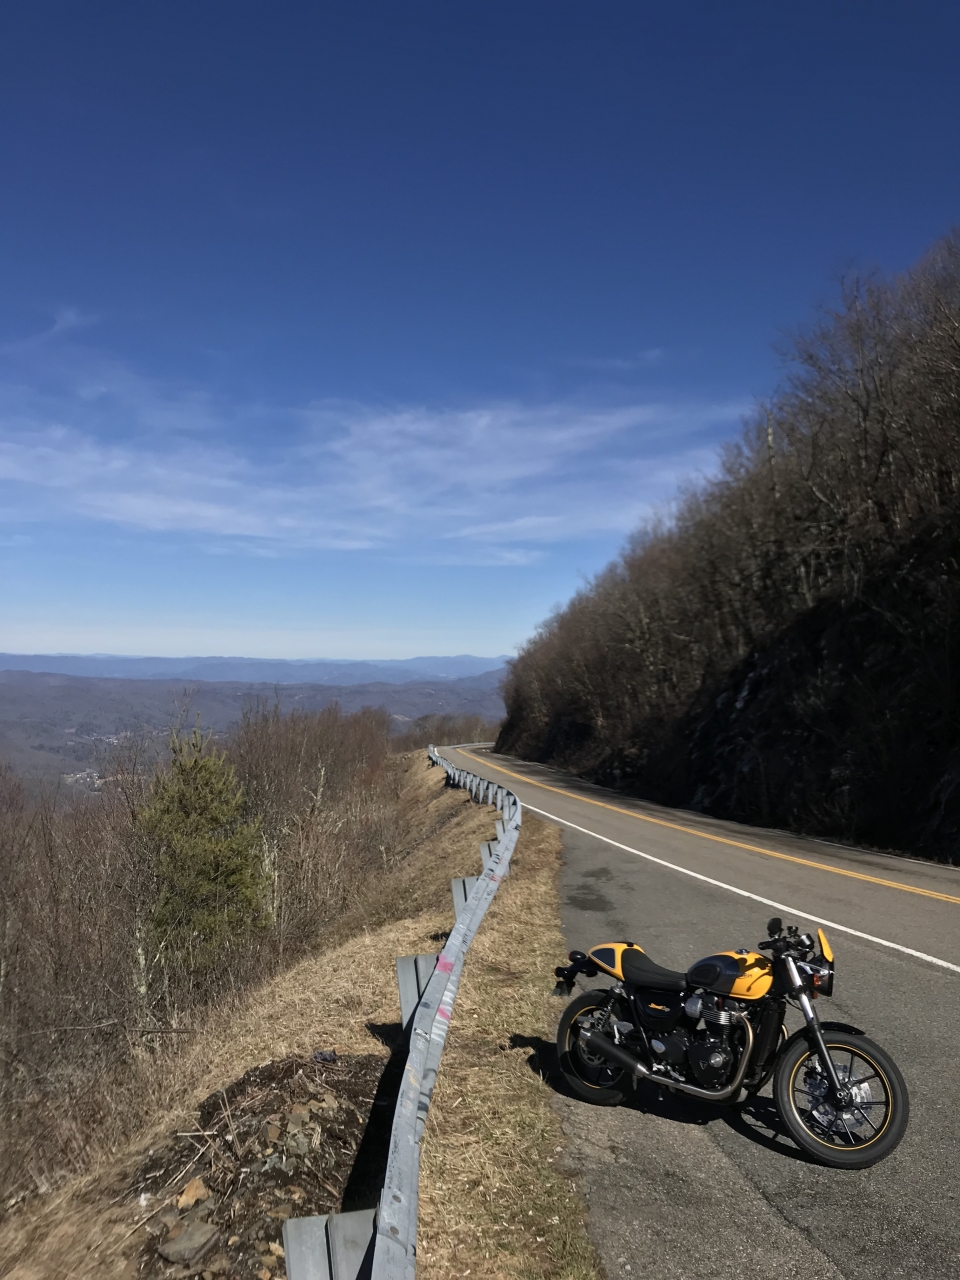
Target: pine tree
(211,889)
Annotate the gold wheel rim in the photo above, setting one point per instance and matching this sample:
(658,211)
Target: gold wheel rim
(865,1057)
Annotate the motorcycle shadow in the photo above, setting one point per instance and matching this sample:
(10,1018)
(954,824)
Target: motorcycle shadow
(754,1118)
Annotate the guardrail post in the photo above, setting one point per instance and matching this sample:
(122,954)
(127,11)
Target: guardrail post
(461,887)
(334,1246)
(413,974)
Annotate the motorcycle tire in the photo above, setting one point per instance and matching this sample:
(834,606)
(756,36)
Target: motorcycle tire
(591,1077)
(863,1132)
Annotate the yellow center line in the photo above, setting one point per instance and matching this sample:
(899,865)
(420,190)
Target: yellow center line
(706,835)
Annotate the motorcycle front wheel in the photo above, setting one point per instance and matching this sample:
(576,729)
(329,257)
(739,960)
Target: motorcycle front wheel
(589,1075)
(861,1132)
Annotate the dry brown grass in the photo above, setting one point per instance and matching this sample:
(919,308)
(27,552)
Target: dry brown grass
(492,1201)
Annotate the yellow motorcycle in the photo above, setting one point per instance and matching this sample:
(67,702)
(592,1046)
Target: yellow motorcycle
(717,1031)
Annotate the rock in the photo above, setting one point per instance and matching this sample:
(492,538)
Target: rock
(298,1143)
(218,1264)
(298,1115)
(194,1191)
(273,1132)
(162,1222)
(190,1244)
(277,1249)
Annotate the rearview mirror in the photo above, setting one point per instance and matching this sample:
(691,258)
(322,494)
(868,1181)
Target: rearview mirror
(774,926)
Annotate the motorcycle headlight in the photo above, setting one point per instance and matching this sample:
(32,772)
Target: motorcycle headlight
(821,975)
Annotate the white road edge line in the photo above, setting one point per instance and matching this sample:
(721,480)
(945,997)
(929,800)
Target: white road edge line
(794,911)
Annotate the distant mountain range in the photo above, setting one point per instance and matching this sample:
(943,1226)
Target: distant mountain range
(54,724)
(330,671)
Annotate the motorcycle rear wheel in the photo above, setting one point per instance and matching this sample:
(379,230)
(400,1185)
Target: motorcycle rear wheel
(590,1076)
(868,1128)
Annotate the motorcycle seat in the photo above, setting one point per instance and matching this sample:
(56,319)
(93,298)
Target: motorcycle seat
(641,971)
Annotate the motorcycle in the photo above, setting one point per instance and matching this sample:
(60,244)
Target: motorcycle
(717,1031)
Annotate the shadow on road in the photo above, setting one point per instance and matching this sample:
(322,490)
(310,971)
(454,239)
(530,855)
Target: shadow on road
(754,1118)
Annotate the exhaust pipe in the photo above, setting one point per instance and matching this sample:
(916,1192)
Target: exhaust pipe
(597,1042)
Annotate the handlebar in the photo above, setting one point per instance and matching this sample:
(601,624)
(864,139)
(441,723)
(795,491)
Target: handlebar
(799,943)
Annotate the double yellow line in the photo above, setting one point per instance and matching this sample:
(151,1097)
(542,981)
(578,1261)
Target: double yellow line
(705,835)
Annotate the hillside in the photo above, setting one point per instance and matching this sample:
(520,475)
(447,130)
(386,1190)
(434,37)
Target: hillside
(784,650)
(846,724)
(110,1178)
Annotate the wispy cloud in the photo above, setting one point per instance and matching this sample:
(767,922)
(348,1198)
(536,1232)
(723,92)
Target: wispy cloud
(647,359)
(87,437)
(64,320)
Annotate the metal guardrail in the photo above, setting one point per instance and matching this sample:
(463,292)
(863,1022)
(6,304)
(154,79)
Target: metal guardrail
(383,1245)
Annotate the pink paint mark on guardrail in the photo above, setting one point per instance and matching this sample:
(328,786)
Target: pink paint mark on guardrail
(445,964)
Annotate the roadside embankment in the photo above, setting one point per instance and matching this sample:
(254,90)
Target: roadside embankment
(341,998)
(249,1120)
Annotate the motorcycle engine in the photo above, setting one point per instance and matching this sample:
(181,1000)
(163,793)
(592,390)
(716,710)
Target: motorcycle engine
(710,1059)
(670,1046)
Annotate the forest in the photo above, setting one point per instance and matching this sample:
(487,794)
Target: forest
(783,647)
(192,874)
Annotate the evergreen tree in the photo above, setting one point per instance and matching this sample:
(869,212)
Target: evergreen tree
(211,888)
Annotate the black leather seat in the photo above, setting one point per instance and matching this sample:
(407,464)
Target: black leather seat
(641,971)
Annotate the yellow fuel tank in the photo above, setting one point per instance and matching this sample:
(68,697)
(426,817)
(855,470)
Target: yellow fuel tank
(747,975)
(609,956)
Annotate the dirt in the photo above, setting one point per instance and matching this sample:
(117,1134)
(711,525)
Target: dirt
(279,1142)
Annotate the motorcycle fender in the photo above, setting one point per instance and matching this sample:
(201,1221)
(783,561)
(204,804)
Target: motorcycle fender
(824,1026)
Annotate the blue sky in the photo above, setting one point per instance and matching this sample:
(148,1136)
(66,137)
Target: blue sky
(370,330)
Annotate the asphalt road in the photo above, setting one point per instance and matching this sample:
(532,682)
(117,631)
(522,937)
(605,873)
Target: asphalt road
(681,1189)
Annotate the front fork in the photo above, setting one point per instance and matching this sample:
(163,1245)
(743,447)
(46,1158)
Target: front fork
(840,1090)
